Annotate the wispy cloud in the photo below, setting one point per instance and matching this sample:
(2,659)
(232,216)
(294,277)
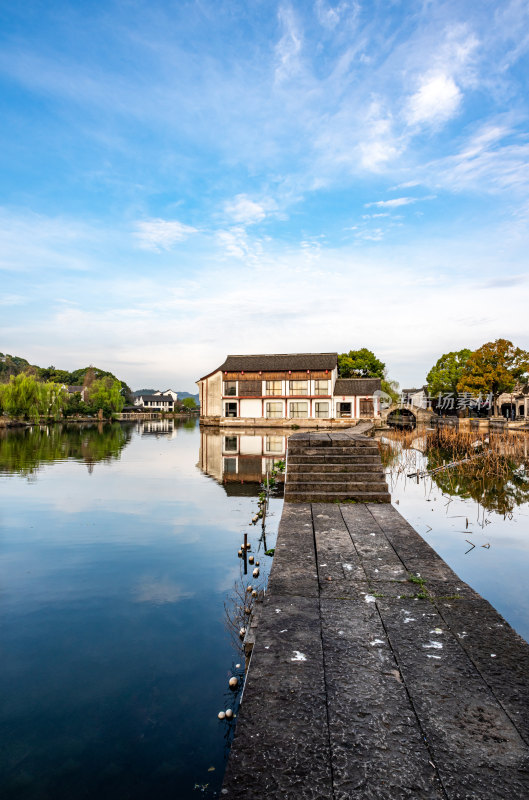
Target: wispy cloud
(161,234)
(395,202)
(289,46)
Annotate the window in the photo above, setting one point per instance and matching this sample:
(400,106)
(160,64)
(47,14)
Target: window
(230,409)
(230,388)
(344,409)
(299,387)
(250,388)
(274,387)
(230,444)
(275,444)
(274,410)
(322,410)
(321,387)
(230,466)
(299,410)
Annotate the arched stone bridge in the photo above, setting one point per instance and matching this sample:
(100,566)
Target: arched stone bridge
(423,416)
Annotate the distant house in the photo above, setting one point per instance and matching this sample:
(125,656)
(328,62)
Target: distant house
(515,404)
(155,402)
(418,398)
(168,393)
(82,390)
(301,388)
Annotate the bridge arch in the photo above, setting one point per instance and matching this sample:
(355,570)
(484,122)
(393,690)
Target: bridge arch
(420,416)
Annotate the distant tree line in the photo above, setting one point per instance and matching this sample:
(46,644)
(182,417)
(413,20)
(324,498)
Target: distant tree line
(26,397)
(15,365)
(493,369)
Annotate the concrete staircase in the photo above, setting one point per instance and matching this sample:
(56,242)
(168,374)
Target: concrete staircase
(334,466)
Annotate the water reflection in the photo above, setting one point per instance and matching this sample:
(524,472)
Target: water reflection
(499,493)
(240,461)
(475,515)
(23,450)
(115,655)
(492,470)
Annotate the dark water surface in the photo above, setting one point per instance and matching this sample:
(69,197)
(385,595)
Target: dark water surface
(117,555)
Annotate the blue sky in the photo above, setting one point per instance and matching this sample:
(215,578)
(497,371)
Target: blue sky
(190,179)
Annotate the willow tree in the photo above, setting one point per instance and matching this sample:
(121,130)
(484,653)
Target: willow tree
(24,397)
(105,394)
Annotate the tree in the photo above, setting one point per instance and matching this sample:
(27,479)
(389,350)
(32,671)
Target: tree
(189,404)
(105,394)
(26,397)
(447,371)
(493,368)
(361,363)
(390,388)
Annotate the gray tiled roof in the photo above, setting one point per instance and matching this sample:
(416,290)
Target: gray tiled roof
(158,398)
(348,387)
(280,362)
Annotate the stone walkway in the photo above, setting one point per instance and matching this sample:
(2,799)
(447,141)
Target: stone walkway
(366,684)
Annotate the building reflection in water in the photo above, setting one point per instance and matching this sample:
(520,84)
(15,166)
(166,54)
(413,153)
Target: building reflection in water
(240,460)
(157,427)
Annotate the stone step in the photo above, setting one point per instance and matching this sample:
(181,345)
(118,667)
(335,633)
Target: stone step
(342,487)
(350,443)
(303,496)
(335,469)
(335,477)
(334,458)
(318,451)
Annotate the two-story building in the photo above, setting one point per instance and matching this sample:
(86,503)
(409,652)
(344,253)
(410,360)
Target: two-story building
(155,402)
(285,389)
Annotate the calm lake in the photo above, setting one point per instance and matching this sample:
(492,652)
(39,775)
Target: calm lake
(119,557)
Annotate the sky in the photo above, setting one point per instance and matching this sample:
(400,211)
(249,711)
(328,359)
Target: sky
(184,180)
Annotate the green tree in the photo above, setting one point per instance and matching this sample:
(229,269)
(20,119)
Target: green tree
(76,405)
(391,388)
(27,398)
(361,363)
(189,404)
(493,368)
(105,394)
(447,371)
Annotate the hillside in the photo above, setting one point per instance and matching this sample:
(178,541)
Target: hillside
(14,365)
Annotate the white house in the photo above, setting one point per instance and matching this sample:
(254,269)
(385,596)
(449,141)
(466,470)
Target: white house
(168,393)
(155,402)
(276,390)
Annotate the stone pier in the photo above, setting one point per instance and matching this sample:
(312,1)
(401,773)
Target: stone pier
(377,673)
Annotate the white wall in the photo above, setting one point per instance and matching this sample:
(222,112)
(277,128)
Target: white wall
(250,408)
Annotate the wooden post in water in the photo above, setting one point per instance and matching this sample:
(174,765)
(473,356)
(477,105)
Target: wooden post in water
(245,553)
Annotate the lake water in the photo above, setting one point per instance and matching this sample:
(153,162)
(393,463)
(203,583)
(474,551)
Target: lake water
(118,558)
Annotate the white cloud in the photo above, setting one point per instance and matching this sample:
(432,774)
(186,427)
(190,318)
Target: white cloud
(437,100)
(243,210)
(12,300)
(161,234)
(160,591)
(395,202)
